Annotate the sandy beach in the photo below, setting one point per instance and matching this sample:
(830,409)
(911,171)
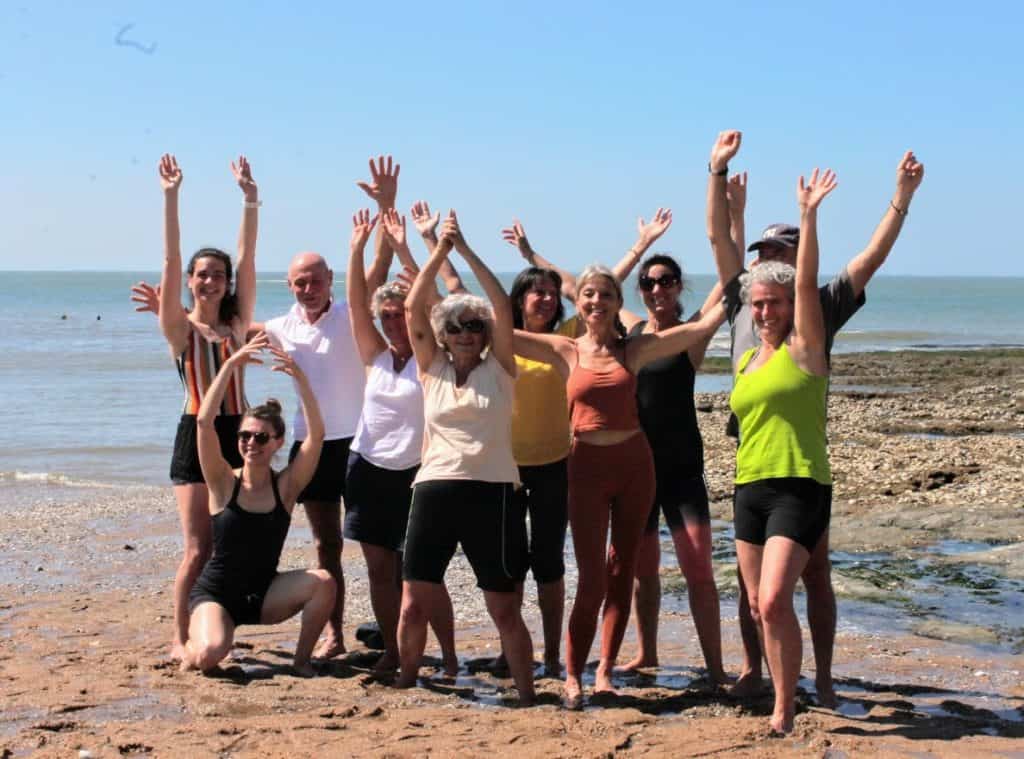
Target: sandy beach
(928,454)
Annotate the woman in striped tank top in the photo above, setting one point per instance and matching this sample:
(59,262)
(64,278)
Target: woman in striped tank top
(201,340)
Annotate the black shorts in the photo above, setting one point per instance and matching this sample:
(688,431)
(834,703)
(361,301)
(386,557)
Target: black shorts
(487,518)
(377,503)
(546,490)
(328,483)
(797,508)
(185,469)
(680,499)
(244,607)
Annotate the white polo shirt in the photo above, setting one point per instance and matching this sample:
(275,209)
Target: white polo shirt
(327,353)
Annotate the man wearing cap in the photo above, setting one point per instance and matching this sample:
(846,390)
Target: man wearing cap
(841,298)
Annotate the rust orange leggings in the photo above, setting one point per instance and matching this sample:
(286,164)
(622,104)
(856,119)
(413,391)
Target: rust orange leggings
(613,483)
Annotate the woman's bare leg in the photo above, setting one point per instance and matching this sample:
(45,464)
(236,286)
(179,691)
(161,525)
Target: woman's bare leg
(310,591)
(646,603)
(506,611)
(197,538)
(210,635)
(383,568)
(693,549)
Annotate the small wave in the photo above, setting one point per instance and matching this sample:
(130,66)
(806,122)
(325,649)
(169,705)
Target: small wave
(52,478)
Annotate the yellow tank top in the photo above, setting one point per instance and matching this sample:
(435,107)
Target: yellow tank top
(540,414)
(781,410)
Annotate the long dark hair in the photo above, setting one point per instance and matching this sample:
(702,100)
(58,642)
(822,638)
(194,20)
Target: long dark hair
(524,282)
(229,305)
(670,263)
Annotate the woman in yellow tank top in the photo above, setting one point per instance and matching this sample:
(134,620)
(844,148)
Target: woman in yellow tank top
(783,481)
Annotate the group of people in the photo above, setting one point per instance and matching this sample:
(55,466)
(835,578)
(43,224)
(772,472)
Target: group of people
(493,423)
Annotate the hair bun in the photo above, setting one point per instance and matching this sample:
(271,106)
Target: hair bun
(273,404)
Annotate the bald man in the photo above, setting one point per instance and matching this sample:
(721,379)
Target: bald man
(316,333)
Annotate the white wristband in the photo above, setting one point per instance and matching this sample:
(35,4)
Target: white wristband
(252,204)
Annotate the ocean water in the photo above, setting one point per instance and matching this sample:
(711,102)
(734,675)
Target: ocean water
(92,394)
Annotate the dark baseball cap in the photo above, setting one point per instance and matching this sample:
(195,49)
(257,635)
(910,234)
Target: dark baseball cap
(777,236)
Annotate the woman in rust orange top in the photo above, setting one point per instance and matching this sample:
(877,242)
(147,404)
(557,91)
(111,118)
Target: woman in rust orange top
(611,472)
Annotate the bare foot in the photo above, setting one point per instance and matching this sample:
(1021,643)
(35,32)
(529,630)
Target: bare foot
(329,648)
(178,651)
(406,681)
(386,664)
(640,662)
(572,694)
(720,679)
(527,699)
(303,670)
(603,680)
(451,667)
(747,685)
(781,725)
(826,694)
(552,667)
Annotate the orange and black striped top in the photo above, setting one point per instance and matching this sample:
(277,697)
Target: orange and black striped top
(199,363)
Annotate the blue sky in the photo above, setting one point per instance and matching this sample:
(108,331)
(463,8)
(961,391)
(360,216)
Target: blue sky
(574,117)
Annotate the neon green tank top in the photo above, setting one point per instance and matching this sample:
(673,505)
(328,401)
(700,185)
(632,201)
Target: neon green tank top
(781,411)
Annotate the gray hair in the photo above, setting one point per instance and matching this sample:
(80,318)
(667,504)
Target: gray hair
(768,273)
(393,291)
(599,270)
(451,308)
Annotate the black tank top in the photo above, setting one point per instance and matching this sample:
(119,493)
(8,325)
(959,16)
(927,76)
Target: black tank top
(664,394)
(247,544)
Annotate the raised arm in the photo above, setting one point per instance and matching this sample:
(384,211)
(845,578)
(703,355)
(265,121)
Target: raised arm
(646,235)
(736,192)
(728,259)
(245,275)
(516,236)
(808,323)
(216,470)
(300,471)
(649,346)
(862,267)
(368,340)
(383,189)
(501,336)
(418,304)
(426,224)
(173,321)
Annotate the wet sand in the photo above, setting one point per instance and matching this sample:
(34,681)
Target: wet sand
(928,453)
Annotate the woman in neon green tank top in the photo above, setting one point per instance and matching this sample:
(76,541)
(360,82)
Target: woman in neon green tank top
(783,480)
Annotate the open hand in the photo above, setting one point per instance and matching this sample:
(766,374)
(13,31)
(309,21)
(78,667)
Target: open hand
(362,226)
(426,224)
(243,175)
(383,186)
(148,296)
(726,146)
(394,227)
(809,196)
(283,362)
(170,174)
(647,233)
(516,235)
(736,192)
(406,277)
(249,353)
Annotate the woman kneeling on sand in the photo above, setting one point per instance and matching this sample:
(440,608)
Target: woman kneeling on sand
(252,509)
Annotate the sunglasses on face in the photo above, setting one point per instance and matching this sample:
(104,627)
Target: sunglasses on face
(665,280)
(473,326)
(387,316)
(260,438)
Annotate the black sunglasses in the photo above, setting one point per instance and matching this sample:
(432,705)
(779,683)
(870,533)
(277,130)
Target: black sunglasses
(473,326)
(260,438)
(665,280)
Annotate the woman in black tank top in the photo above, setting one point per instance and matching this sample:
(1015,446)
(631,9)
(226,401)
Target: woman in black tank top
(251,509)
(669,419)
